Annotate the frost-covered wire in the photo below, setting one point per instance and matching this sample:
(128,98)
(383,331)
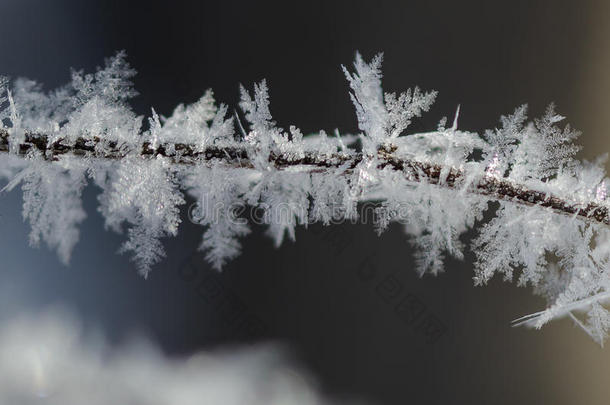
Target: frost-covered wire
(550,214)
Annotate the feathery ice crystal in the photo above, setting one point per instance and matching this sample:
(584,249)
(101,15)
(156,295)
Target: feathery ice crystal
(550,212)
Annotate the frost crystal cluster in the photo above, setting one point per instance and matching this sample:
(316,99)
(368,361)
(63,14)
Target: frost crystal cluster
(549,227)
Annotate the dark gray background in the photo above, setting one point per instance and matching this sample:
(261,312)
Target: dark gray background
(327,296)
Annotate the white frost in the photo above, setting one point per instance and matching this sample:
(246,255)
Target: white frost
(564,258)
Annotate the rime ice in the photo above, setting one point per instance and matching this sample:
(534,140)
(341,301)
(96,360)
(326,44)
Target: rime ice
(296,179)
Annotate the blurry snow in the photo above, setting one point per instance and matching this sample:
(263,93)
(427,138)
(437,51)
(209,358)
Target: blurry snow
(50,359)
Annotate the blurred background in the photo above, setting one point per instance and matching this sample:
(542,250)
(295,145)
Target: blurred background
(347,303)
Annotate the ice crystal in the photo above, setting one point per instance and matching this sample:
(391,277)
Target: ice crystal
(146,194)
(380,120)
(219,193)
(52,202)
(201,123)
